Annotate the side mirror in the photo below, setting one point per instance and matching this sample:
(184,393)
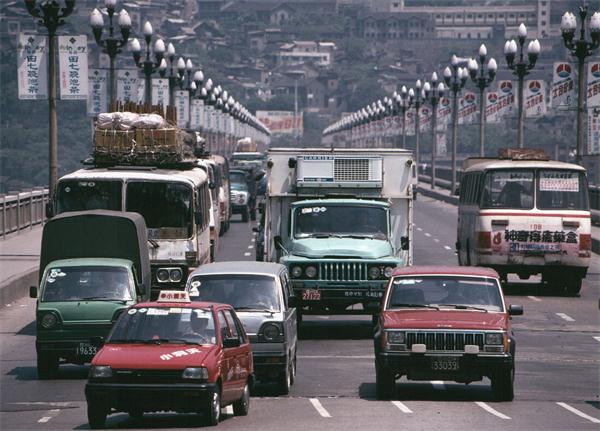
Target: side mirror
(33,291)
(211,186)
(49,210)
(515,310)
(404,243)
(97,341)
(259,176)
(415,194)
(293,301)
(231,342)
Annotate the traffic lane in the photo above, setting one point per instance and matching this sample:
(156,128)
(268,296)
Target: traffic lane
(238,242)
(434,232)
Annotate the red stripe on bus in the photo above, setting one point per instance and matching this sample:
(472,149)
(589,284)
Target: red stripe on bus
(535,215)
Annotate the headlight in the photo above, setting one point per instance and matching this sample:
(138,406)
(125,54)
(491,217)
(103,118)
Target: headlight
(271,332)
(310,271)
(175,275)
(374,272)
(296,271)
(162,275)
(100,372)
(387,271)
(199,373)
(494,338)
(49,320)
(395,337)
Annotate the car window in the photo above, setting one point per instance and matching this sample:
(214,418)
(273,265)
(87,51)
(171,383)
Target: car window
(235,326)
(224,326)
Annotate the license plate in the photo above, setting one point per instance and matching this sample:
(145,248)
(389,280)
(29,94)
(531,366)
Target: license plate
(444,364)
(311,295)
(85,349)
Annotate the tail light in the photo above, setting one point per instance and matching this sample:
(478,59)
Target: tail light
(484,240)
(585,241)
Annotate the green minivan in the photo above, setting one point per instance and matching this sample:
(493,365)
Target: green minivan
(93,266)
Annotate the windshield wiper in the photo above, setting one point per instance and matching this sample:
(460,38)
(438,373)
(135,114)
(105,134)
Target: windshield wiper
(164,340)
(154,243)
(464,307)
(402,304)
(246,308)
(103,298)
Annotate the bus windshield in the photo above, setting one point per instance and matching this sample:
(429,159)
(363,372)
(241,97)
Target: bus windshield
(165,206)
(83,195)
(343,220)
(562,189)
(508,188)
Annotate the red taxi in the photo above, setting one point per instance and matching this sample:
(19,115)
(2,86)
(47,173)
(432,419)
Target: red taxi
(445,323)
(172,355)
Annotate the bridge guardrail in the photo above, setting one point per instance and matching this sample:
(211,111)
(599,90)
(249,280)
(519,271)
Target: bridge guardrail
(21,210)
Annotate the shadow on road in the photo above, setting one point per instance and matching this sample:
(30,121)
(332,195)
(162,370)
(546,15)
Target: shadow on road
(29,329)
(424,391)
(65,372)
(335,330)
(155,420)
(536,289)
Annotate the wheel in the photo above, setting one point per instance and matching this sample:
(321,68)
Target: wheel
(245,214)
(253,214)
(298,319)
(241,406)
(47,365)
(285,381)
(293,371)
(503,385)
(222,229)
(96,415)
(212,251)
(385,383)
(213,412)
(573,285)
(136,414)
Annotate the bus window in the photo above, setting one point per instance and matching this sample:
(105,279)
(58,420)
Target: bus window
(562,189)
(508,189)
(83,195)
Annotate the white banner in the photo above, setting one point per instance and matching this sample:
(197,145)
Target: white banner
(593,84)
(182,103)
(32,67)
(534,98)
(282,122)
(210,121)
(440,141)
(467,108)
(424,119)
(160,92)
(562,94)
(506,98)
(593,136)
(141,91)
(196,113)
(128,82)
(444,113)
(410,122)
(73,67)
(492,108)
(97,99)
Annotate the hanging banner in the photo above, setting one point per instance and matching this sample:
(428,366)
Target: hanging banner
(32,67)
(282,122)
(593,84)
(492,108)
(141,91)
(410,122)
(424,119)
(160,92)
(196,113)
(562,94)
(534,102)
(444,113)
(440,144)
(182,103)
(467,108)
(593,136)
(209,119)
(128,82)
(97,99)
(73,67)
(506,98)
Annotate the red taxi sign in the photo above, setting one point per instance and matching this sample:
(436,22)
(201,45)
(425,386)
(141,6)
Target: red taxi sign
(173,296)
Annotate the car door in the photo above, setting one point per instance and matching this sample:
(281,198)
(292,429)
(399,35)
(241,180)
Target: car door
(226,360)
(239,362)
(289,315)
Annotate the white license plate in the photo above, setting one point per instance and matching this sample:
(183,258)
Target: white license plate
(311,295)
(86,349)
(444,364)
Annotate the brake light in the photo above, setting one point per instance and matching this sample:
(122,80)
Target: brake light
(585,241)
(484,240)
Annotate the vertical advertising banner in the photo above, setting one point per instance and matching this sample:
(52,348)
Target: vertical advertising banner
(282,122)
(196,114)
(444,113)
(467,108)
(506,98)
(593,84)
(492,108)
(97,99)
(534,101)
(440,144)
(410,122)
(32,67)
(593,136)
(209,122)
(563,88)
(160,92)
(141,91)
(182,103)
(128,82)
(424,119)
(73,67)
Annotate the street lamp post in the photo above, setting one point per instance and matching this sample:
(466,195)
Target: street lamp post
(482,81)
(417,99)
(51,15)
(455,78)
(403,104)
(111,45)
(581,49)
(148,66)
(434,93)
(521,68)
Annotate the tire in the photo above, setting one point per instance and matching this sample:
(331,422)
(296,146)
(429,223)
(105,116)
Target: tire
(253,215)
(298,320)
(293,370)
(136,414)
(47,365)
(385,383)
(96,415)
(245,214)
(573,286)
(468,251)
(242,406)
(213,412)
(284,382)
(503,385)
(222,229)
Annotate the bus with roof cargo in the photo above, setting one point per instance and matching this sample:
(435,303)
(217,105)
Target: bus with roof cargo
(340,220)
(526,215)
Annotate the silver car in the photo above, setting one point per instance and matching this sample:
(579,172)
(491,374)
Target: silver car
(262,296)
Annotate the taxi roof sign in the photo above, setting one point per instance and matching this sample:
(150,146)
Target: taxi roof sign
(173,296)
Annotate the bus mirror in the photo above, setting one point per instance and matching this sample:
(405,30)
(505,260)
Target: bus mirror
(33,291)
(49,210)
(404,243)
(211,186)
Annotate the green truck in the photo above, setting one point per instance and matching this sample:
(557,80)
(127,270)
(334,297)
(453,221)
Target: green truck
(93,266)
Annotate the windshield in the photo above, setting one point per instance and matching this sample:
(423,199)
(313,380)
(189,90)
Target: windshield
(82,195)
(445,292)
(166,207)
(241,187)
(237,178)
(346,220)
(165,325)
(508,189)
(76,283)
(562,189)
(244,291)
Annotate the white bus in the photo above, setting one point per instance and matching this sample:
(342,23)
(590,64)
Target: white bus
(526,217)
(174,203)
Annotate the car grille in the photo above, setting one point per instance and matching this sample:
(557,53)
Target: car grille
(147,376)
(343,271)
(444,341)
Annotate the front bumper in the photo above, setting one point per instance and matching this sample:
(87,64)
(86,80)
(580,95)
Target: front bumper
(66,346)
(238,209)
(341,294)
(270,359)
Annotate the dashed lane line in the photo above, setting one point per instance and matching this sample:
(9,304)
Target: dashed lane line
(51,414)
(253,240)
(250,246)
(579,413)
(491,410)
(319,408)
(427,234)
(438,384)
(247,254)
(565,317)
(419,229)
(402,407)
(535,298)
(447,248)
(597,338)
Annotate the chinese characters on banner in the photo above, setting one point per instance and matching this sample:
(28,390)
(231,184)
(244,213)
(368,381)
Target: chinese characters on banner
(160,92)
(444,113)
(593,84)
(492,108)
(196,114)
(32,67)
(593,136)
(141,91)
(440,142)
(467,108)
(506,98)
(424,119)
(73,67)
(208,118)
(410,122)
(534,101)
(127,85)
(97,100)
(563,89)
(182,102)
(282,122)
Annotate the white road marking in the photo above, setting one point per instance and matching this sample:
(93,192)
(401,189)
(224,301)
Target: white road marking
(447,248)
(253,240)
(436,240)
(317,405)
(419,229)
(535,298)
(51,414)
(427,234)
(247,254)
(438,384)
(250,246)
(565,316)
(402,407)
(579,413)
(597,338)
(336,356)
(229,410)
(491,410)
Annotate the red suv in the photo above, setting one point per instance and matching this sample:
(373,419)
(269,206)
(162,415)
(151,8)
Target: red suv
(445,323)
(172,354)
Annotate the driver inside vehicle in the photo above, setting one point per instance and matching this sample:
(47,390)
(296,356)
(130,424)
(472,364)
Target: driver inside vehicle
(463,293)
(197,329)
(255,295)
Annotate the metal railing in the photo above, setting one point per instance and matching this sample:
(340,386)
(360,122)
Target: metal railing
(21,210)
